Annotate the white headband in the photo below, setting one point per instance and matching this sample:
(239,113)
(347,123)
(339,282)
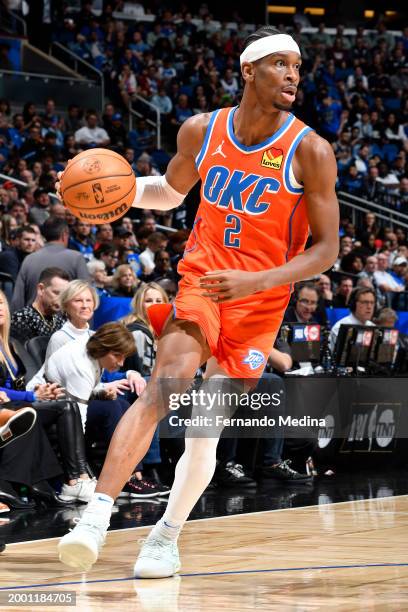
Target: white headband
(267,45)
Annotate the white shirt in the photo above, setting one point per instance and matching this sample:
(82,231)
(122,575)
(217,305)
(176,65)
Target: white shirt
(87,135)
(349,320)
(382,277)
(66,334)
(147,260)
(72,368)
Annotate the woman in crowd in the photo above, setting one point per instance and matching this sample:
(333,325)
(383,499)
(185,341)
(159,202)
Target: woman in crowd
(8,224)
(100,279)
(32,461)
(125,281)
(77,366)
(138,323)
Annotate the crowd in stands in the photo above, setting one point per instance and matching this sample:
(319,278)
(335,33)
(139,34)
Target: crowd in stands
(56,268)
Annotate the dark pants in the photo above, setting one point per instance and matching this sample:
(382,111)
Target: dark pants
(70,438)
(272,446)
(29,459)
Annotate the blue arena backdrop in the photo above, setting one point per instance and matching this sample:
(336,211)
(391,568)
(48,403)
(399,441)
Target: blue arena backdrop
(14,52)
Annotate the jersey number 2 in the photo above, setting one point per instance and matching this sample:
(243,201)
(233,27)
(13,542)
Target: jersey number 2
(232,231)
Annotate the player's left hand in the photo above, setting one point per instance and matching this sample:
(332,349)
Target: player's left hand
(224,285)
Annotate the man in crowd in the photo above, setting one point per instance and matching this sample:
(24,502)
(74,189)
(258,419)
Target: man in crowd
(384,280)
(81,239)
(44,316)
(305,306)
(91,135)
(25,243)
(155,242)
(54,253)
(39,210)
(362,306)
(344,290)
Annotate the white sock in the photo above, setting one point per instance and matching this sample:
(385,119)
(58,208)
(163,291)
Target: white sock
(166,529)
(101,505)
(194,471)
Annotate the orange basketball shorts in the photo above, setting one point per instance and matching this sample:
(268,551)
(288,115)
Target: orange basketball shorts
(240,333)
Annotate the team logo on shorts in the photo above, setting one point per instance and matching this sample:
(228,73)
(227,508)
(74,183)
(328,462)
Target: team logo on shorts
(272,158)
(254,359)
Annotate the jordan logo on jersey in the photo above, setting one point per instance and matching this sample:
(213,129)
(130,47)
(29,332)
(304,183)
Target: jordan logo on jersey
(219,151)
(272,158)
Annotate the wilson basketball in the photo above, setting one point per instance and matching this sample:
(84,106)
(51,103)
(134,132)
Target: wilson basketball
(98,186)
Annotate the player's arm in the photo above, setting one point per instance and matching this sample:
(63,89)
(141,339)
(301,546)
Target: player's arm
(316,168)
(168,191)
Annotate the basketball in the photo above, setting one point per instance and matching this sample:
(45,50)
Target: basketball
(98,186)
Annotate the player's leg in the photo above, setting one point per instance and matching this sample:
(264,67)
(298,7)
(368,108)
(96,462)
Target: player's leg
(159,556)
(181,350)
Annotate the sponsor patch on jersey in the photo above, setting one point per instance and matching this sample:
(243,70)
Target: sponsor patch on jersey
(254,359)
(272,158)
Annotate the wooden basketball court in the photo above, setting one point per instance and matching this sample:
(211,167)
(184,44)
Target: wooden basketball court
(344,556)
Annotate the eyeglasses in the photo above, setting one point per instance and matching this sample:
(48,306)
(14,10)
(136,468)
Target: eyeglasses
(305,302)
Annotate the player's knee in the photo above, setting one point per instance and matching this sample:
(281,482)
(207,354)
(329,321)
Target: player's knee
(178,370)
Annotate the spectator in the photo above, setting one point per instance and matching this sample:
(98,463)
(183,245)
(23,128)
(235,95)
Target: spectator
(399,270)
(127,85)
(384,280)
(162,101)
(104,235)
(155,242)
(81,239)
(77,367)
(8,227)
(305,305)
(99,278)
(12,259)
(125,281)
(54,253)
(162,268)
(39,212)
(343,293)
(324,288)
(387,317)
(109,255)
(118,134)
(91,135)
(43,317)
(362,308)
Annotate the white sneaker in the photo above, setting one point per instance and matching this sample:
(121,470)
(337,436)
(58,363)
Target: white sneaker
(158,558)
(81,491)
(80,547)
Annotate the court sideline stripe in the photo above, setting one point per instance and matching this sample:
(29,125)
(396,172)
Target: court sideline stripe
(227,516)
(204,574)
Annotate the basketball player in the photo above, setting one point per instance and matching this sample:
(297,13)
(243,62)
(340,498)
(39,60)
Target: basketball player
(266,178)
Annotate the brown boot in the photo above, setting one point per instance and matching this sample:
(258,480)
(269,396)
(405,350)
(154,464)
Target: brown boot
(14,424)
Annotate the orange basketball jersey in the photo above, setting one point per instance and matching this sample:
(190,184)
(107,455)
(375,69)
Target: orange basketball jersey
(252,214)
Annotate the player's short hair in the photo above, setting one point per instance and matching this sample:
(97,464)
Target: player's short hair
(261,32)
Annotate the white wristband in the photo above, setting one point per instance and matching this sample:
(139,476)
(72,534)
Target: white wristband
(155,192)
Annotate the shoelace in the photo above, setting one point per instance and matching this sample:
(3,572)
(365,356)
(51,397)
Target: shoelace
(154,546)
(95,528)
(285,466)
(236,470)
